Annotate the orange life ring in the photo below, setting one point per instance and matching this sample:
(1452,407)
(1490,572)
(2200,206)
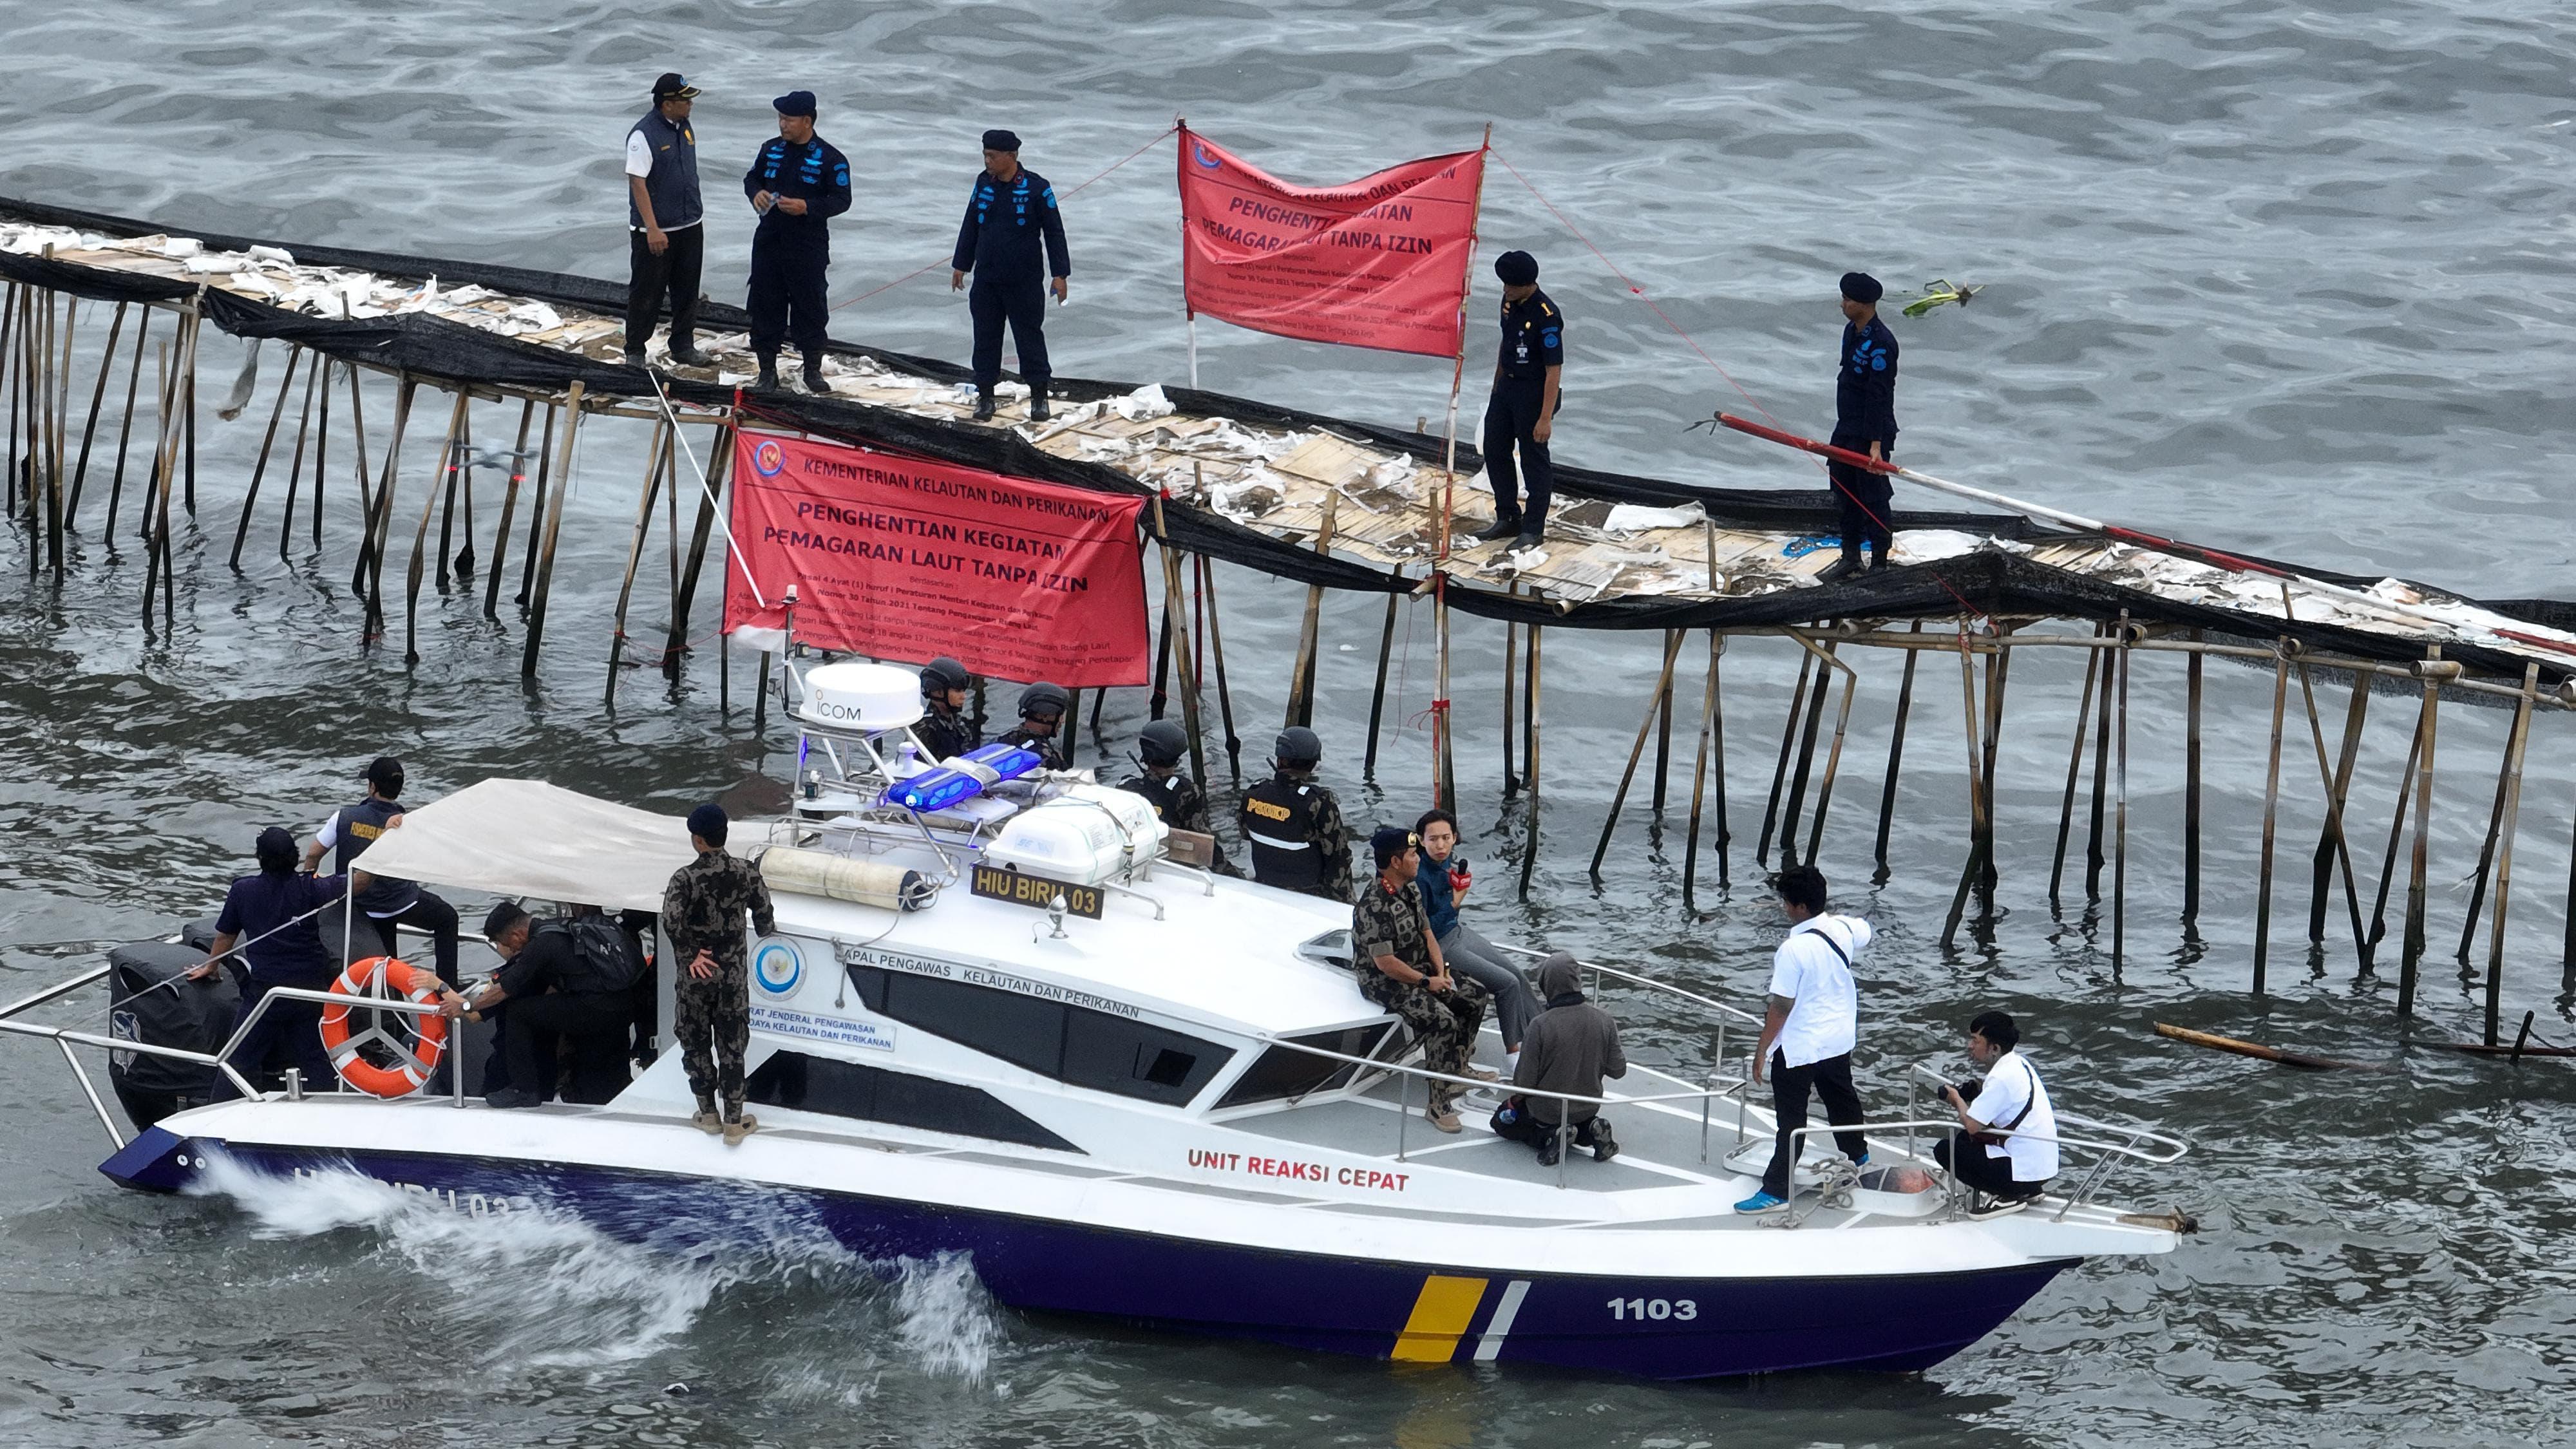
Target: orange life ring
(411,1043)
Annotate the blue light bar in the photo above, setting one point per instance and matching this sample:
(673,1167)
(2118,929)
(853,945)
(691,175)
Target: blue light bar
(964,777)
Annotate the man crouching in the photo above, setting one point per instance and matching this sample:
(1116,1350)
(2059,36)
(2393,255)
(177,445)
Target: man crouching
(1571,1045)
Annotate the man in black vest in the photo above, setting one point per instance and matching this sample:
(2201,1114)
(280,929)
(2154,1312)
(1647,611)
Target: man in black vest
(1294,825)
(797,183)
(1012,227)
(387,902)
(1177,800)
(565,984)
(944,730)
(1043,706)
(668,247)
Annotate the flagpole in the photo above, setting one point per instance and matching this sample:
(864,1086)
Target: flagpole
(1181,126)
(1444,771)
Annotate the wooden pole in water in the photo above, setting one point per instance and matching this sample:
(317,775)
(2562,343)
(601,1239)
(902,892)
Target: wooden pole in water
(1807,732)
(366,488)
(1712,739)
(1301,679)
(322,450)
(315,373)
(545,554)
(2504,853)
(10,374)
(2093,856)
(1664,730)
(1177,612)
(719,467)
(1529,759)
(2334,844)
(169,467)
(2191,787)
(451,470)
(1654,708)
(2271,813)
(509,506)
(1998,677)
(125,433)
(1977,835)
(2396,838)
(420,536)
(2413,950)
(537,505)
(2120,807)
(1895,754)
(2075,768)
(1216,656)
(1833,757)
(1377,692)
(657,459)
(57,402)
(1511,673)
(152,481)
(277,415)
(188,381)
(97,400)
(1780,769)
(463,562)
(382,530)
(2487,850)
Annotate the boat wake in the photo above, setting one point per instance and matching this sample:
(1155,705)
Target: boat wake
(541,1286)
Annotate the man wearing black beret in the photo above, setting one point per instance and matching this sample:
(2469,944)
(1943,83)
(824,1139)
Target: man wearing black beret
(1011,218)
(1864,422)
(797,183)
(1521,414)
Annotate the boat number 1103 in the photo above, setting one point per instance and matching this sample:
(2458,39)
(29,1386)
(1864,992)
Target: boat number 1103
(1657,1309)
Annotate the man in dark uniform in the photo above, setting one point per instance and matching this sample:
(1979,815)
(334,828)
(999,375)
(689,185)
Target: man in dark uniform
(944,730)
(797,183)
(1294,825)
(1043,706)
(1521,414)
(702,915)
(1010,216)
(1400,968)
(556,993)
(1864,422)
(1176,798)
(668,248)
(387,902)
(259,909)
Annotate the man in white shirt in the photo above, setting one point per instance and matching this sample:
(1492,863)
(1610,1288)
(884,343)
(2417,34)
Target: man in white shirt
(1812,1024)
(2009,1151)
(665,219)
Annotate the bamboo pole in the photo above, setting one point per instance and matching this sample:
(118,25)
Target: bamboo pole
(2396,839)
(2192,669)
(1834,757)
(2120,808)
(2093,856)
(1712,740)
(658,458)
(1998,677)
(684,598)
(537,505)
(97,400)
(1511,736)
(1177,613)
(2413,950)
(58,409)
(2504,854)
(1377,692)
(2487,850)
(462,564)
(12,375)
(420,537)
(321,455)
(2334,843)
(2074,772)
(381,532)
(1530,760)
(2271,813)
(1216,655)
(259,470)
(1780,769)
(510,506)
(125,433)
(1895,757)
(1301,679)
(1654,707)
(1977,831)
(158,555)
(2262,1053)
(188,381)
(321,367)
(1807,732)
(1664,731)
(545,556)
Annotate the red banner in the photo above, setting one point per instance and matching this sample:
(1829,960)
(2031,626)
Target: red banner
(1381,262)
(905,559)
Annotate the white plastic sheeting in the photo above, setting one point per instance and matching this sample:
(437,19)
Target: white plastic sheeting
(529,838)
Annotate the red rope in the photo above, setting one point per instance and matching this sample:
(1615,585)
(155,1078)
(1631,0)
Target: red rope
(1077,191)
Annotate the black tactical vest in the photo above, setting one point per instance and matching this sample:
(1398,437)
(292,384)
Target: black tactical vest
(357,828)
(1278,819)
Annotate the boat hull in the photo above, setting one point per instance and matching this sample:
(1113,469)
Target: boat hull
(1664,1328)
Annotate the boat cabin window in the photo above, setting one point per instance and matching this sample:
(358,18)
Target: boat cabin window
(872,1094)
(1283,1072)
(1075,1045)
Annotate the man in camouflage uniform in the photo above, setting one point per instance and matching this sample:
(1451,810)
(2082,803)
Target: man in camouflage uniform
(1400,968)
(702,915)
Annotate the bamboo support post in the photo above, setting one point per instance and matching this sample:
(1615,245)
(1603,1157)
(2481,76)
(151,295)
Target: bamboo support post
(658,460)
(2334,845)
(1511,733)
(2504,850)
(452,466)
(537,505)
(1530,758)
(420,537)
(2271,815)
(2099,818)
(2120,806)
(1998,678)
(1977,831)
(1216,656)
(684,596)
(1377,692)
(1895,757)
(1664,727)
(1833,757)
(2396,840)
(2192,669)
(1301,679)
(543,557)
(510,506)
(2074,773)
(277,415)
(1711,742)
(188,402)
(125,433)
(1177,612)
(2412,951)
(380,533)
(1794,804)
(1780,768)
(2487,849)
(1654,708)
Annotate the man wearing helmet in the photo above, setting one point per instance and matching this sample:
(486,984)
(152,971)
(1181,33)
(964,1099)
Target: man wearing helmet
(1043,707)
(944,730)
(1294,825)
(1176,797)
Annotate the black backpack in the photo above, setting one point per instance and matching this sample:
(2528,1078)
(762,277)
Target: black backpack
(605,959)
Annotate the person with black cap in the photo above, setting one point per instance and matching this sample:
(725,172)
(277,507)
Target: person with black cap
(1176,798)
(562,983)
(797,183)
(1521,414)
(944,729)
(389,903)
(703,910)
(270,916)
(1012,226)
(1400,968)
(1864,422)
(1294,826)
(668,247)
(1043,706)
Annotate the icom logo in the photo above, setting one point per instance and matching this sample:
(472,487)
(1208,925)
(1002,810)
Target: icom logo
(779,968)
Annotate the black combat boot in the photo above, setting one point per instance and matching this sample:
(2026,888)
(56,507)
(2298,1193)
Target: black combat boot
(814,374)
(1037,405)
(1501,527)
(983,405)
(768,373)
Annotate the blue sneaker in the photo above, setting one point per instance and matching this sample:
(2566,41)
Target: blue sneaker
(1761,1202)
(1861,1161)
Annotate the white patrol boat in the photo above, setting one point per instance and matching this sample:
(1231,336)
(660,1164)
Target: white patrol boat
(999,1018)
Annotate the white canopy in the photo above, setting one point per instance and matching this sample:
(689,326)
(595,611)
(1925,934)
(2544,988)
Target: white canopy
(529,838)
